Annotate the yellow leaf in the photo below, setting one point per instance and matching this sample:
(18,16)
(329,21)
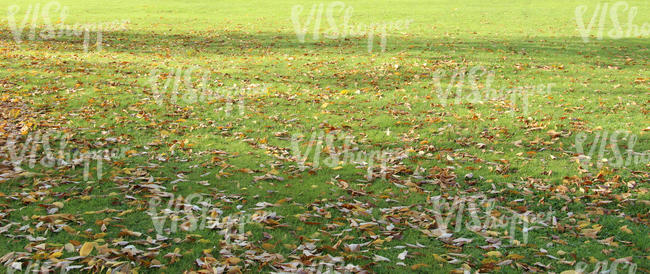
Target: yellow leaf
(124,212)
(418,266)
(24,130)
(14,112)
(439,259)
(86,248)
(625,229)
(494,254)
(233,260)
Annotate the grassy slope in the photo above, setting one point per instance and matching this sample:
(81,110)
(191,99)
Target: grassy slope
(255,42)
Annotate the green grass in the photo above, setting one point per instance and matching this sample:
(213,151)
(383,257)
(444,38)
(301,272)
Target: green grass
(386,100)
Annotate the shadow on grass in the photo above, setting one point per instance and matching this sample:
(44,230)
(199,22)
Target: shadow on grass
(542,55)
(236,43)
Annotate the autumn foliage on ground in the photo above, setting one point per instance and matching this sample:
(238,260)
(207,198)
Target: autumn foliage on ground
(235,136)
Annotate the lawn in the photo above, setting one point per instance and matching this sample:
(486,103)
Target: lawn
(360,136)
